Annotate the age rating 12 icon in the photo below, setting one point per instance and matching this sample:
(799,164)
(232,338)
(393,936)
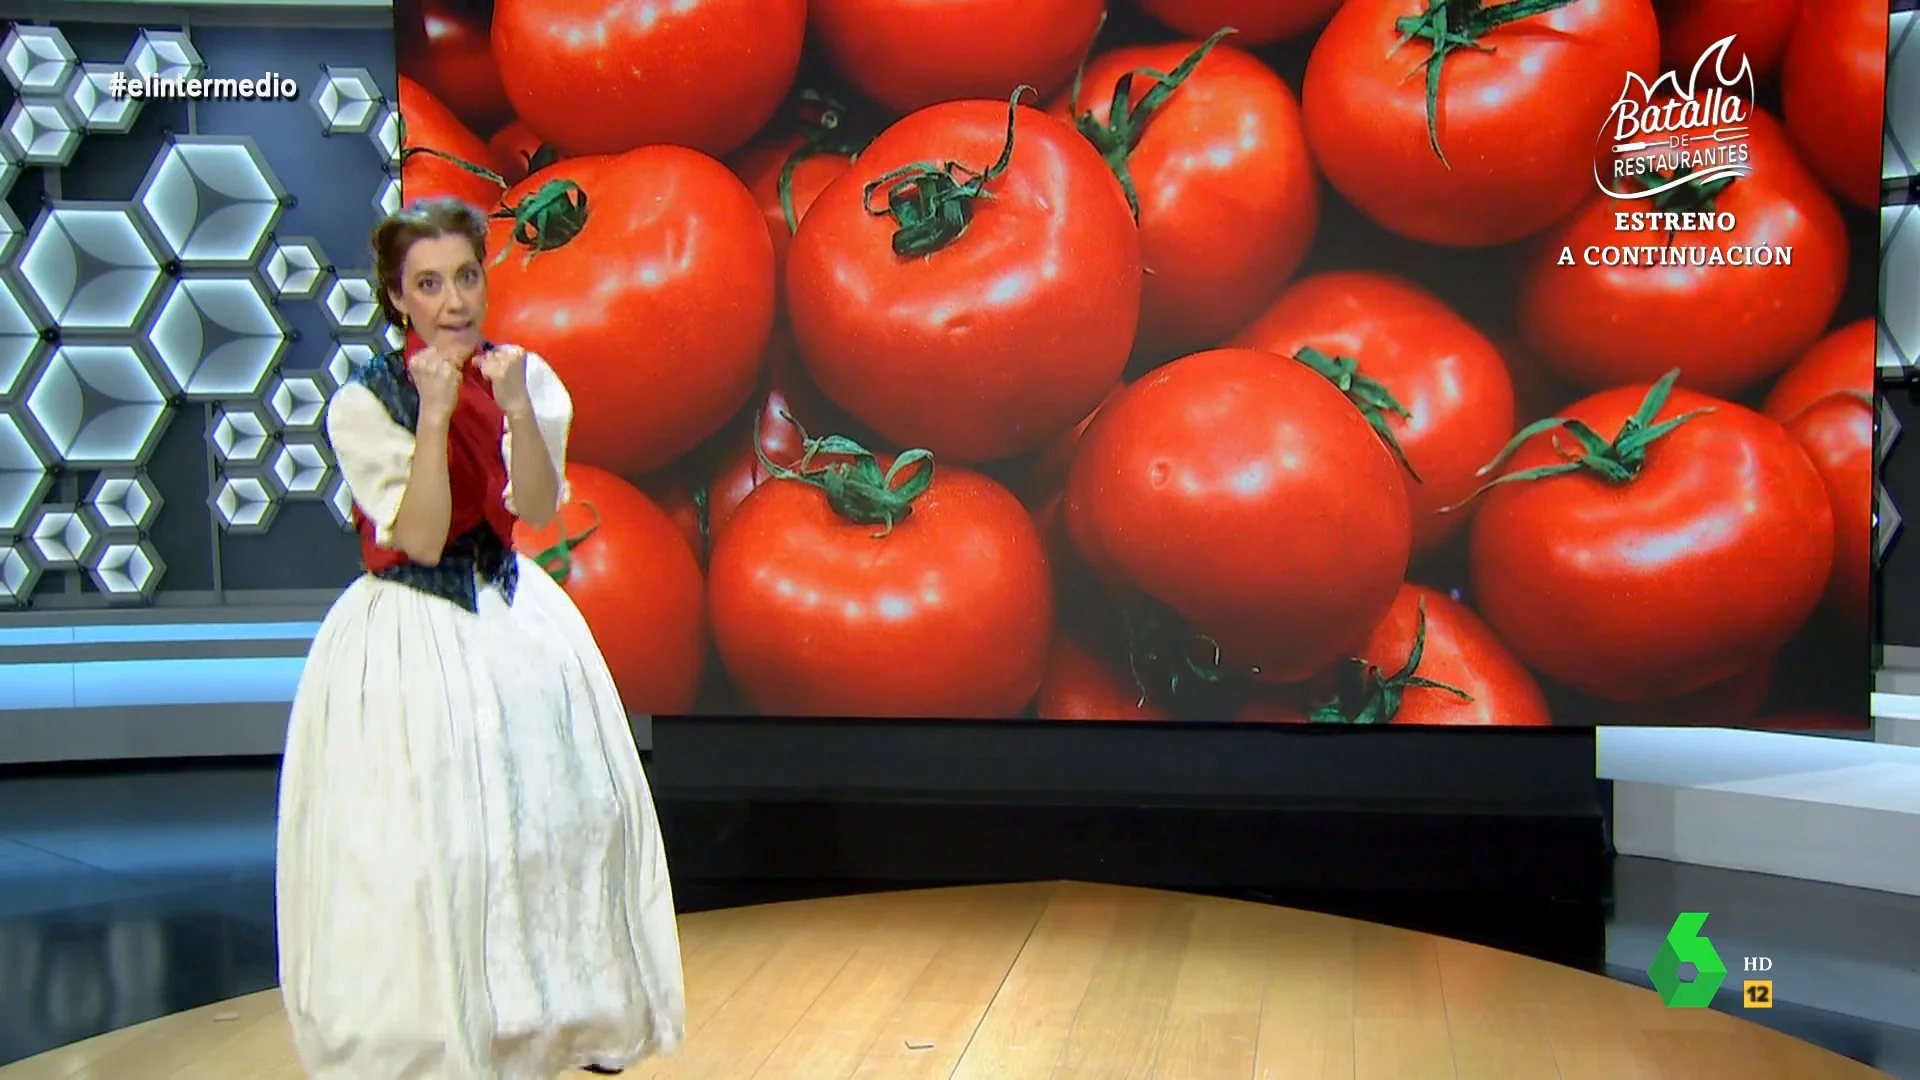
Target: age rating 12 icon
(1686,945)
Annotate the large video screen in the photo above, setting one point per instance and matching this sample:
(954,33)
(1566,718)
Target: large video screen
(1505,364)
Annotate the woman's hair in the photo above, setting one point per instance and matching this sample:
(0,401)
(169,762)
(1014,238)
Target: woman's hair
(424,220)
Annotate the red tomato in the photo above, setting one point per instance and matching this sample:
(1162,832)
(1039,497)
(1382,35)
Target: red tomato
(1256,22)
(1834,92)
(636,584)
(1733,325)
(819,610)
(1480,684)
(436,151)
(981,345)
(908,54)
(1516,122)
(1226,189)
(1700,557)
(1252,499)
(446,48)
(1837,434)
(1081,685)
(604,76)
(652,299)
(1412,351)
(1760,30)
(519,152)
(1842,361)
(761,164)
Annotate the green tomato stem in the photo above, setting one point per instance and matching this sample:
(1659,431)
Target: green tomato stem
(1373,399)
(1617,462)
(932,205)
(557,560)
(549,218)
(1448,26)
(824,131)
(1126,123)
(408,153)
(856,487)
(1376,697)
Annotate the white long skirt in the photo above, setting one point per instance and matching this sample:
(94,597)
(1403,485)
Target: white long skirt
(471,882)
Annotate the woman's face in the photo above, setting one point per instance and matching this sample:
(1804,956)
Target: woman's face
(443,292)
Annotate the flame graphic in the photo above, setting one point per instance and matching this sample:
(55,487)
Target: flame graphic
(1638,91)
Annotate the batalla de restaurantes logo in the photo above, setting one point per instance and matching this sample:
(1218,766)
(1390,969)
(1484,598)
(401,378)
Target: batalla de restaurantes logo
(1666,149)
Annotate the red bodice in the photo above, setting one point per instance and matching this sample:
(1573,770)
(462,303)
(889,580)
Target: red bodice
(476,474)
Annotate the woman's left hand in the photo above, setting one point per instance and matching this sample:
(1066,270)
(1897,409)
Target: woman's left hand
(505,366)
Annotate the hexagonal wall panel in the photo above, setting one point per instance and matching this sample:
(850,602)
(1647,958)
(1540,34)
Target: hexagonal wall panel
(21,346)
(165,54)
(387,199)
(97,406)
(213,200)
(1901,156)
(346,356)
(241,434)
(395,338)
(90,267)
(340,502)
(9,226)
(37,59)
(348,101)
(301,470)
(125,499)
(128,571)
(19,573)
(351,303)
(62,538)
(298,402)
(245,503)
(90,97)
(23,476)
(42,131)
(1886,523)
(386,136)
(296,268)
(218,337)
(1899,338)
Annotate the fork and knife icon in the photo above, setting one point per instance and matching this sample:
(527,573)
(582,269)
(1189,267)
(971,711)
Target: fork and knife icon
(1735,133)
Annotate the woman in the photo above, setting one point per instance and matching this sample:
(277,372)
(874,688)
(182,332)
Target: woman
(471,880)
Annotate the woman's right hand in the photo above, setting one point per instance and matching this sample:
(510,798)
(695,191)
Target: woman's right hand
(439,384)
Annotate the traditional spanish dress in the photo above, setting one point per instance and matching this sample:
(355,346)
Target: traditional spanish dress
(471,881)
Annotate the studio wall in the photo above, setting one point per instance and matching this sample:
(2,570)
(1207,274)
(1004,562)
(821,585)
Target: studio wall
(182,283)
(1899,346)
(1243,376)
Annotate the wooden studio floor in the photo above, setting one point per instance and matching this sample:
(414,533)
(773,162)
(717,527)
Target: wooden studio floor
(1064,981)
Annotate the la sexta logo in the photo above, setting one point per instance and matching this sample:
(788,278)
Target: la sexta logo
(1674,131)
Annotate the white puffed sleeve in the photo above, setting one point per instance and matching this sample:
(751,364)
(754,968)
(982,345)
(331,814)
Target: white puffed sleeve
(553,413)
(375,455)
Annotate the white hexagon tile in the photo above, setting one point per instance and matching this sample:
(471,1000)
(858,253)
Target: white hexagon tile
(90,267)
(98,406)
(348,100)
(212,201)
(218,337)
